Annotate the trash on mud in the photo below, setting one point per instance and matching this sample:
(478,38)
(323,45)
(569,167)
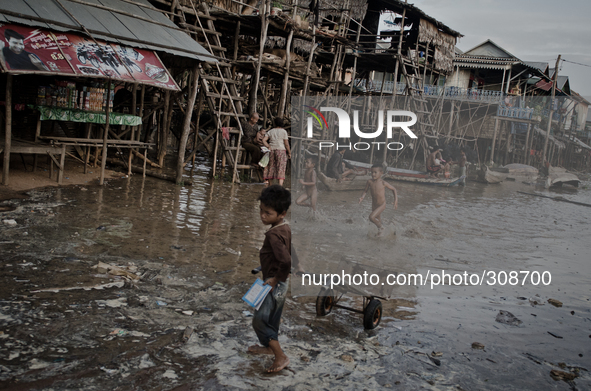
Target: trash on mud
(122,271)
(436,354)
(347,358)
(555,335)
(555,302)
(508,318)
(188,312)
(561,375)
(9,222)
(187,334)
(116,284)
(161,303)
(115,303)
(233,252)
(477,345)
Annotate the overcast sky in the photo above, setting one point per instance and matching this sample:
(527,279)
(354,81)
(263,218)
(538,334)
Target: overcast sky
(531,30)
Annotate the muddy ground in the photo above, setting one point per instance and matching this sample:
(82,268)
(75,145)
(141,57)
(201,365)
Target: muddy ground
(173,319)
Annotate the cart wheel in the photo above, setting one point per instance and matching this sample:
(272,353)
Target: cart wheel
(324,302)
(372,314)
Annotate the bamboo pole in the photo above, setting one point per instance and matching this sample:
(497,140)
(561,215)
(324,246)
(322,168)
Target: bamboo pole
(526,154)
(236,36)
(355,54)
(132,137)
(555,77)
(8,130)
(164,129)
(307,78)
(187,126)
(106,133)
(494,140)
(264,27)
(283,99)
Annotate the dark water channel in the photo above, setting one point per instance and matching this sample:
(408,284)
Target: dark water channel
(193,248)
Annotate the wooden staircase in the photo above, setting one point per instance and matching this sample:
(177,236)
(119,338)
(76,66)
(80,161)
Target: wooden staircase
(219,90)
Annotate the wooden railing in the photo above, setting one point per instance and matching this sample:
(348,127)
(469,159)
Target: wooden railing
(468,94)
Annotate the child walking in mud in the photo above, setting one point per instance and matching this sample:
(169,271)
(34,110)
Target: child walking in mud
(309,183)
(275,256)
(378,196)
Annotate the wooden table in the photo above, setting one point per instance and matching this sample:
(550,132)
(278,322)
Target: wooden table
(22,146)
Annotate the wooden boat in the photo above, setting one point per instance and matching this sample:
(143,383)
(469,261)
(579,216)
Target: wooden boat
(400,174)
(557,176)
(488,175)
(521,172)
(357,183)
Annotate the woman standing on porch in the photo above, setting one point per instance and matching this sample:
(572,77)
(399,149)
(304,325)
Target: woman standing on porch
(278,143)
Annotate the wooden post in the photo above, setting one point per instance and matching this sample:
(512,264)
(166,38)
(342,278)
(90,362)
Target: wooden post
(62,167)
(132,137)
(187,126)
(264,26)
(283,99)
(106,133)
(8,129)
(494,139)
(37,134)
(355,54)
(236,36)
(307,78)
(526,154)
(197,124)
(164,129)
(508,145)
(141,113)
(555,77)
(145,160)
(87,157)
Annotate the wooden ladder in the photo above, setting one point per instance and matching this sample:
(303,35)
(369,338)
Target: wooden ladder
(219,90)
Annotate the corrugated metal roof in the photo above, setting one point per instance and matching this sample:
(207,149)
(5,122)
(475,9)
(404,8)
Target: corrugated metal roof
(111,26)
(542,66)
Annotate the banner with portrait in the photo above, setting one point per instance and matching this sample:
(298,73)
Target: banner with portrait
(26,49)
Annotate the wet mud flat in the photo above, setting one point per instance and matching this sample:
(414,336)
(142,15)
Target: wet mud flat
(136,286)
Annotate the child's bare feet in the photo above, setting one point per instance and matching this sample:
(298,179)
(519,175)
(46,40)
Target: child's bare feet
(380,230)
(280,362)
(256,349)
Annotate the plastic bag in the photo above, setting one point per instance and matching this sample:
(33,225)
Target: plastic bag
(264,160)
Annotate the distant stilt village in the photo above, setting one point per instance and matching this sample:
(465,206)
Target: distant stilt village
(131,82)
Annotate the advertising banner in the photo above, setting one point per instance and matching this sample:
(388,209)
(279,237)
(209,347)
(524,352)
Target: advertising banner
(26,49)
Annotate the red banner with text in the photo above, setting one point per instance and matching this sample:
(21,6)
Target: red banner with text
(25,49)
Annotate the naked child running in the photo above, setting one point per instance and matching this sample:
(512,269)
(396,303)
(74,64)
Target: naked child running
(378,187)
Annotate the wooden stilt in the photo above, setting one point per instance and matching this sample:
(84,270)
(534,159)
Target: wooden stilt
(37,134)
(187,126)
(283,99)
(8,130)
(132,137)
(164,129)
(494,139)
(106,133)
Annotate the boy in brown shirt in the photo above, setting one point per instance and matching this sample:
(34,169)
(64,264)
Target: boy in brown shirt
(275,258)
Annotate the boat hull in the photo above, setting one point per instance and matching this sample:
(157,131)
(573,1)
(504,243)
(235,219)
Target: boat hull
(357,183)
(400,174)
